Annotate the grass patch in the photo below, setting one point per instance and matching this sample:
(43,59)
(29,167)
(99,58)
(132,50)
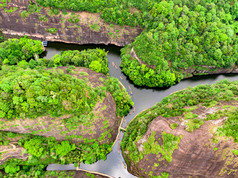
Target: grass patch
(170,143)
(173,126)
(194,124)
(73,19)
(190,115)
(95,27)
(51,30)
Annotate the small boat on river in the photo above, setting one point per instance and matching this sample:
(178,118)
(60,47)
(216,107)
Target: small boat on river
(114,65)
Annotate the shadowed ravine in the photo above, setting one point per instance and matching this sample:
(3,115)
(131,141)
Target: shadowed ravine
(142,97)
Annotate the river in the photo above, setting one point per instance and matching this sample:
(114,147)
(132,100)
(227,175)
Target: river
(142,97)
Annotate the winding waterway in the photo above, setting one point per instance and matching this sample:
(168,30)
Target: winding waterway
(142,97)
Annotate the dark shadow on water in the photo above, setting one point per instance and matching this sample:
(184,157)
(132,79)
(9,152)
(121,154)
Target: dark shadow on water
(195,79)
(64,46)
(42,55)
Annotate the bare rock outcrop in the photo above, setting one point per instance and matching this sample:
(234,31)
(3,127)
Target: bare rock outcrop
(200,153)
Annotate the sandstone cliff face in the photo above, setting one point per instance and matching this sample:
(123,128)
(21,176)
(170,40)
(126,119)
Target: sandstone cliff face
(90,29)
(197,155)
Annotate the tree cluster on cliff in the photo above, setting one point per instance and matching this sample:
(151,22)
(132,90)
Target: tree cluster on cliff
(47,150)
(30,90)
(95,59)
(178,106)
(15,50)
(32,93)
(184,35)
(179,35)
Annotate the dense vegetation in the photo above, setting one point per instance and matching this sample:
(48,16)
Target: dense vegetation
(119,12)
(14,50)
(1,37)
(95,59)
(231,125)
(32,93)
(182,35)
(30,90)
(120,95)
(58,174)
(182,103)
(144,76)
(179,35)
(45,150)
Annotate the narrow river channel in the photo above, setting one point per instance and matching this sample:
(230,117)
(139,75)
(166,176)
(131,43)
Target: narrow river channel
(142,97)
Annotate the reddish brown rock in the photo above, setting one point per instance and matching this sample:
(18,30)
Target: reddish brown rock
(83,32)
(198,155)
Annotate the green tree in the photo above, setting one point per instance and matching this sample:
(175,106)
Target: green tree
(96,66)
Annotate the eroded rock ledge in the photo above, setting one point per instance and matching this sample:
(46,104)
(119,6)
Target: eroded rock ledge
(90,29)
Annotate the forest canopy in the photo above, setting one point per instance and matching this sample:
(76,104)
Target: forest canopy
(32,93)
(181,38)
(185,37)
(15,50)
(95,59)
(33,88)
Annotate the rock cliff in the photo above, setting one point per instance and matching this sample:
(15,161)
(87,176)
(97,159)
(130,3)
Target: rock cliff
(191,133)
(68,27)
